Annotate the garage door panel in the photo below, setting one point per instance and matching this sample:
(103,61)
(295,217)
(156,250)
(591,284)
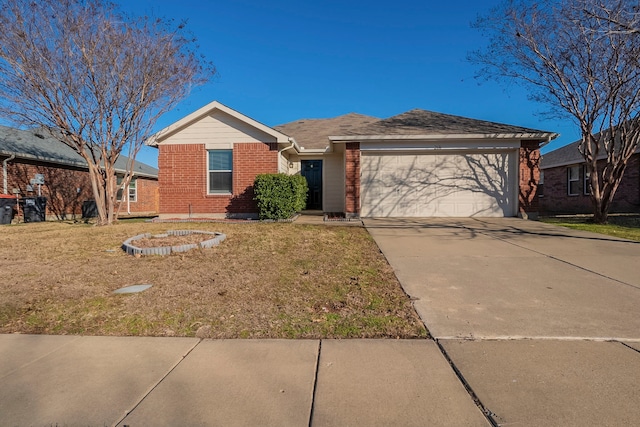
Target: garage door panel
(444,184)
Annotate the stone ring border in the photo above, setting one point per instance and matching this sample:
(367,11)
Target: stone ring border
(129,247)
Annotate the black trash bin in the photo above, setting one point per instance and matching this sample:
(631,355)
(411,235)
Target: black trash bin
(89,209)
(6,209)
(33,208)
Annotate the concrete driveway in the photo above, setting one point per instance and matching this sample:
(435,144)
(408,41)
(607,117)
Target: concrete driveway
(540,322)
(499,278)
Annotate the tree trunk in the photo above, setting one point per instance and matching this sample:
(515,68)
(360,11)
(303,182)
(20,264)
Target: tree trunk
(600,215)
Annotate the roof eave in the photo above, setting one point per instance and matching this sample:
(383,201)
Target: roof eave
(543,137)
(79,165)
(44,159)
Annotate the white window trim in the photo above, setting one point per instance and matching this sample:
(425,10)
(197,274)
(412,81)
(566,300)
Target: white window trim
(208,178)
(570,180)
(133,185)
(120,192)
(585,189)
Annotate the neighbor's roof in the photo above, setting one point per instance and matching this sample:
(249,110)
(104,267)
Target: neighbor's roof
(567,155)
(32,145)
(314,133)
(422,123)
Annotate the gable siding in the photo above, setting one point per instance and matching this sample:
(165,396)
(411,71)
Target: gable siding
(217,128)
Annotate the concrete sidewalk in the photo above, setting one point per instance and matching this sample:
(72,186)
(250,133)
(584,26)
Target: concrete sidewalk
(534,325)
(87,381)
(540,321)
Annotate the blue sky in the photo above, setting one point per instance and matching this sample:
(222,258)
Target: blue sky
(279,61)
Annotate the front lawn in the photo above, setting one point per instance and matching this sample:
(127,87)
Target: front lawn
(264,281)
(623,226)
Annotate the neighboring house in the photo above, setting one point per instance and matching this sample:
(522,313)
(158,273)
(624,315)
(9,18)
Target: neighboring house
(24,154)
(566,188)
(416,164)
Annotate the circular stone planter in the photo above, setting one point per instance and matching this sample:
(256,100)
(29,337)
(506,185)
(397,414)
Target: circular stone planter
(129,245)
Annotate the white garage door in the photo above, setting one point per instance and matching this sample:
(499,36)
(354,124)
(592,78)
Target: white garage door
(445,185)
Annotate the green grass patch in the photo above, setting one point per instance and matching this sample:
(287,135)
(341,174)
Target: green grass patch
(622,226)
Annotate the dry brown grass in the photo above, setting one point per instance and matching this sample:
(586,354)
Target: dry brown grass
(263,281)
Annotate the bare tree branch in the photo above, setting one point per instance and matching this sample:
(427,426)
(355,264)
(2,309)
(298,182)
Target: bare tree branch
(581,59)
(95,78)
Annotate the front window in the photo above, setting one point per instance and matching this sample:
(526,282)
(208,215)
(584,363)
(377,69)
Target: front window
(573,180)
(220,169)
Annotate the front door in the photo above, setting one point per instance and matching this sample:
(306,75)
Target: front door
(312,171)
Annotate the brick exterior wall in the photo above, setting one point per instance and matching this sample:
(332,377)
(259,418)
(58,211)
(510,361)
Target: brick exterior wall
(147,198)
(66,188)
(556,199)
(183,179)
(352,178)
(529,176)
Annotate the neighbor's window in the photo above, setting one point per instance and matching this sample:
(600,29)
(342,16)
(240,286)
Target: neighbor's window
(133,193)
(573,180)
(541,184)
(133,190)
(587,188)
(220,171)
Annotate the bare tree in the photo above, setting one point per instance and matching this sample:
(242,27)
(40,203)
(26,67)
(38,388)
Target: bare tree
(95,78)
(577,57)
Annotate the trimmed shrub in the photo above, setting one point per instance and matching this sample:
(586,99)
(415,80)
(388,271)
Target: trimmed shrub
(280,196)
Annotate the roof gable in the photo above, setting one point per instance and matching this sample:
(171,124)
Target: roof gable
(224,115)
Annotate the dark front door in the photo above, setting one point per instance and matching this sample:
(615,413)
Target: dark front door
(312,171)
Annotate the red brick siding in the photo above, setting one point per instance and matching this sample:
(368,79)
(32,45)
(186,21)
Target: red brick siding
(62,184)
(183,178)
(352,178)
(529,176)
(60,188)
(557,200)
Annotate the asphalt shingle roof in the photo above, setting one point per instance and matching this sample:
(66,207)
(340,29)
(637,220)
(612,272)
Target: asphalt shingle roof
(314,133)
(566,155)
(29,144)
(423,122)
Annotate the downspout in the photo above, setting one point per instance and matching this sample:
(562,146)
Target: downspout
(293,144)
(4,173)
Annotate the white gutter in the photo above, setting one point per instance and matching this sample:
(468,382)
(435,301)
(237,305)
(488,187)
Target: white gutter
(293,144)
(438,137)
(4,173)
